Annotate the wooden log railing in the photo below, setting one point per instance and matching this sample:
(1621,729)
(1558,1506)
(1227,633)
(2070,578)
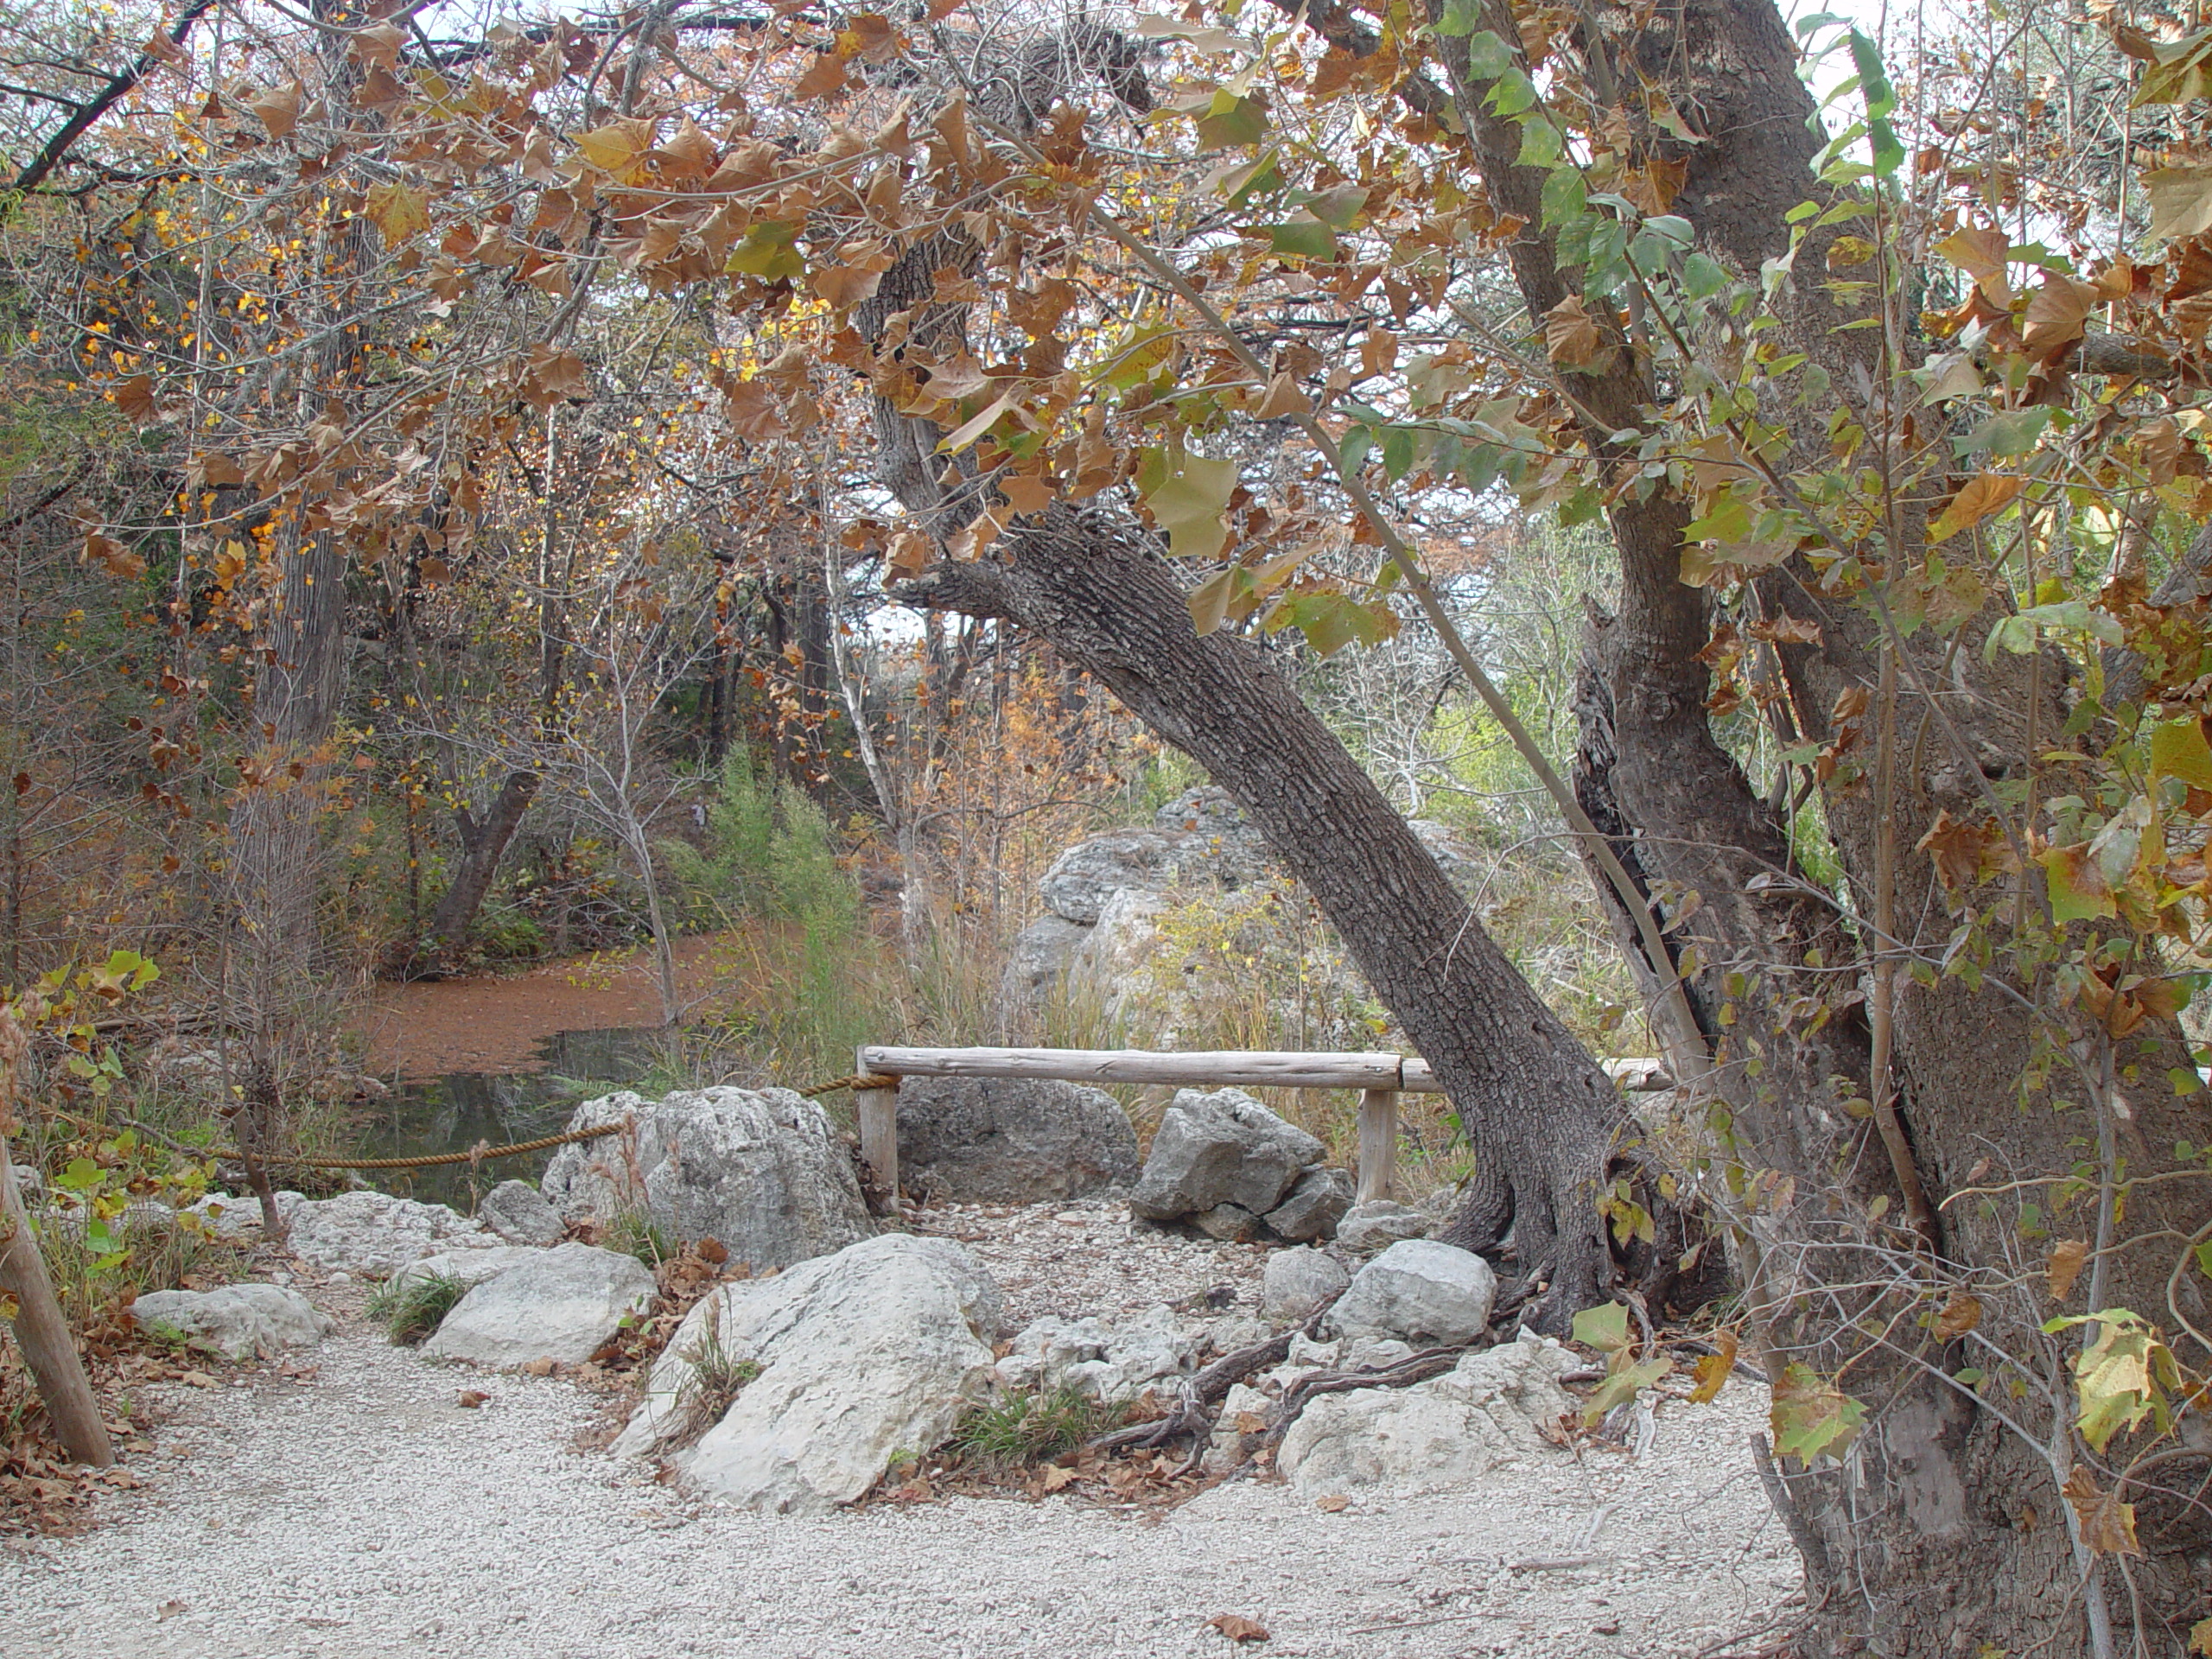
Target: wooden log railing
(1380,1078)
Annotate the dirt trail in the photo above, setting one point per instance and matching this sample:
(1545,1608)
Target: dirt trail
(493,1022)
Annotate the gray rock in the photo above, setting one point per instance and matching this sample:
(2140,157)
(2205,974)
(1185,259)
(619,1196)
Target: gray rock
(518,1213)
(374,1232)
(470,1268)
(562,1304)
(1212,811)
(1039,958)
(1092,871)
(1314,1205)
(1420,1292)
(226,1217)
(1011,1140)
(1137,1356)
(1222,1148)
(763,1173)
(1298,1282)
(1232,1224)
(1376,1353)
(238,1321)
(1043,1352)
(1378,1224)
(875,1349)
(1487,1414)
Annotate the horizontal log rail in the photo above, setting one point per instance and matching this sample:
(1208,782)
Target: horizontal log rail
(1380,1078)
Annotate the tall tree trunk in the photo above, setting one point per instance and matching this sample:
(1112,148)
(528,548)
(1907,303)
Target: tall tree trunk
(1943,1529)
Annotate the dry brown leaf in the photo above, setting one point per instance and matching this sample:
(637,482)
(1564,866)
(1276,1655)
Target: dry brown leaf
(1026,492)
(1334,1504)
(1237,1628)
(2066,1259)
(752,411)
(1058,1477)
(1281,399)
(827,76)
(471,1399)
(135,398)
(2108,1524)
(1571,335)
(1712,1369)
(1960,1315)
(2058,313)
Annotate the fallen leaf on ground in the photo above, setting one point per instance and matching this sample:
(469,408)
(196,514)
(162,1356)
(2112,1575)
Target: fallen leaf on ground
(1237,1628)
(471,1398)
(1056,1477)
(538,1367)
(168,1610)
(1334,1504)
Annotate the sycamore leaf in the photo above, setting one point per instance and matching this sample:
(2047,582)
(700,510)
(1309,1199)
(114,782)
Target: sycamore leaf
(1980,253)
(766,252)
(910,553)
(610,149)
(112,556)
(1571,333)
(1951,375)
(2178,71)
(1229,120)
(753,412)
(2113,1377)
(1622,1384)
(1714,1369)
(398,211)
(2058,313)
(1810,1417)
(1281,399)
(953,442)
(135,398)
(1189,496)
(1989,492)
(1604,1327)
(2077,886)
(827,76)
(1210,600)
(2199,1637)
(2181,200)
(1237,1628)
(2108,1524)
(278,108)
(1961,1314)
(2178,750)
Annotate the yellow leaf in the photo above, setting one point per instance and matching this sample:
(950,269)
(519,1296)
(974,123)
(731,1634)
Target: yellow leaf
(609,149)
(1713,1369)
(1990,492)
(398,211)
(970,431)
(1980,253)
(1189,496)
(2199,1637)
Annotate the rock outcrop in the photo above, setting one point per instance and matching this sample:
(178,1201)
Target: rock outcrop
(518,1213)
(370,1232)
(237,1321)
(760,1172)
(1114,1364)
(562,1304)
(1224,1163)
(1299,1281)
(1420,1291)
(1011,1140)
(1487,1414)
(875,1349)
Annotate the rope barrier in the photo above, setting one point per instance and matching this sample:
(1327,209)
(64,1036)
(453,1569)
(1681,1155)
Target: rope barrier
(858,1080)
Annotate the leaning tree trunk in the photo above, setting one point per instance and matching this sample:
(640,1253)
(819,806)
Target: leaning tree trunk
(1943,1530)
(483,844)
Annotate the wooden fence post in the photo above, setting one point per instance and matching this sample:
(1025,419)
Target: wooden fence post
(1378,1142)
(879,1116)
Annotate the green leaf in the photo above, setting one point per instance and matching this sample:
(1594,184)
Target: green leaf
(1810,1417)
(1352,453)
(1512,94)
(1540,145)
(2178,750)
(1623,1385)
(1565,197)
(1230,120)
(2014,433)
(2077,886)
(1488,57)
(1190,499)
(1703,277)
(1604,1327)
(766,252)
(1887,151)
(2115,1377)
(1306,237)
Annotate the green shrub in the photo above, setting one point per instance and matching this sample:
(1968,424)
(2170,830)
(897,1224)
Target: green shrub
(633,1232)
(1032,1426)
(411,1306)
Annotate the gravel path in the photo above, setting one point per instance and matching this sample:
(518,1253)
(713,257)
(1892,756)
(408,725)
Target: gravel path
(362,1513)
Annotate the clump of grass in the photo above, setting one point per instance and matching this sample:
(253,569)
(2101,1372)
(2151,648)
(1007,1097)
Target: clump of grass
(1027,1426)
(410,1306)
(715,1378)
(634,1232)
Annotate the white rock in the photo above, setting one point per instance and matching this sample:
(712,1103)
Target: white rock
(227,1216)
(560,1304)
(238,1321)
(1448,1431)
(1137,1356)
(875,1349)
(518,1212)
(1378,1224)
(760,1172)
(375,1232)
(1376,1353)
(1298,1282)
(1216,1148)
(472,1268)
(1420,1291)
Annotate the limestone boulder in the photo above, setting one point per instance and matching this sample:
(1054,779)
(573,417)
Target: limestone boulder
(1092,871)
(238,1321)
(469,1268)
(1485,1417)
(763,1173)
(1011,1140)
(375,1232)
(1420,1291)
(1379,1223)
(1221,1147)
(518,1213)
(875,1349)
(1040,957)
(1315,1203)
(563,1305)
(1296,1282)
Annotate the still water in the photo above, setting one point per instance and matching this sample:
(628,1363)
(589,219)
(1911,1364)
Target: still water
(454,1112)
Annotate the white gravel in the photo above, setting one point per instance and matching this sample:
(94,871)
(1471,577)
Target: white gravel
(363,1513)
